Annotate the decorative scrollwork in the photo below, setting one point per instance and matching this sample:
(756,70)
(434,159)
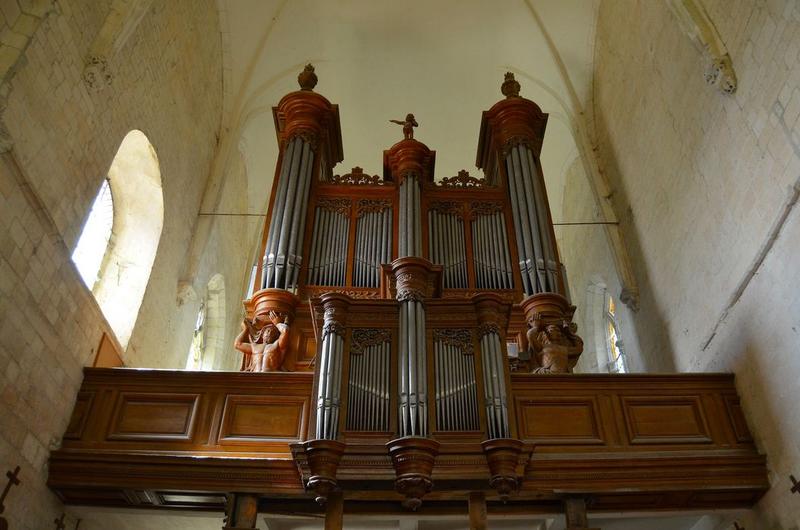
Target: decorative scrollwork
(459,338)
(365,206)
(447,207)
(340,206)
(357,177)
(309,136)
(485,208)
(487,328)
(333,327)
(364,338)
(463,180)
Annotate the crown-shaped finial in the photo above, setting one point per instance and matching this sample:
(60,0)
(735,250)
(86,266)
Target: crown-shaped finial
(510,86)
(307,79)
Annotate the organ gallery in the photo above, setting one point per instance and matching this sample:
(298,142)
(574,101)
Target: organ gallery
(408,347)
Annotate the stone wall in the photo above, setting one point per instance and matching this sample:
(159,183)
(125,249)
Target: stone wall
(587,256)
(706,186)
(167,82)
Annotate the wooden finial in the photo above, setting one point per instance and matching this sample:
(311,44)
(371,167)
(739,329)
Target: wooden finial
(307,79)
(510,86)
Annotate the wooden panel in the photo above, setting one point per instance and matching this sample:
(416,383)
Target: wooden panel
(80,415)
(249,418)
(665,420)
(736,416)
(108,354)
(154,417)
(559,421)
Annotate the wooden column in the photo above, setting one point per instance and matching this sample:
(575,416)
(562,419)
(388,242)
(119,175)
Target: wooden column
(241,511)
(334,511)
(575,512)
(477,511)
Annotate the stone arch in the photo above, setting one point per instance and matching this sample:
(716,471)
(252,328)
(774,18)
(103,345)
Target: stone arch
(135,181)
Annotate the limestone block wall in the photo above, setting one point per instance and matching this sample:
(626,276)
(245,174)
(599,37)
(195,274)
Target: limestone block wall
(587,256)
(706,186)
(167,82)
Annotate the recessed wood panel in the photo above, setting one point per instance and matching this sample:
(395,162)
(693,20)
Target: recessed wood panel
(190,500)
(736,416)
(263,418)
(156,417)
(562,421)
(80,415)
(665,420)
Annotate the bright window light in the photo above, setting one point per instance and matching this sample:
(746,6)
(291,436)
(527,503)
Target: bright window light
(91,248)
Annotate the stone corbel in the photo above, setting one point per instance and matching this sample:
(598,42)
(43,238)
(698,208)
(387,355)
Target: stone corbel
(121,21)
(697,25)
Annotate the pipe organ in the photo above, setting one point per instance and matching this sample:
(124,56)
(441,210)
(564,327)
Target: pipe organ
(416,251)
(393,298)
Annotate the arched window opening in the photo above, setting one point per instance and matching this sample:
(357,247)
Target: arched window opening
(616,355)
(93,241)
(138,216)
(208,338)
(198,347)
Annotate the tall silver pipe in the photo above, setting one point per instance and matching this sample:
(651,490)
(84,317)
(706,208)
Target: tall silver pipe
(285,235)
(422,369)
(516,217)
(462,242)
(402,356)
(402,248)
(312,254)
(277,211)
(524,238)
(412,365)
(298,259)
(534,217)
(298,213)
(375,242)
(387,248)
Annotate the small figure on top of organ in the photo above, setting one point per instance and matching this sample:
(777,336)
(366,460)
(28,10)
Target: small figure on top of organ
(408,126)
(551,346)
(264,345)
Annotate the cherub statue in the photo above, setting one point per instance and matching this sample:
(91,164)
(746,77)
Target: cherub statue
(408,126)
(552,344)
(264,344)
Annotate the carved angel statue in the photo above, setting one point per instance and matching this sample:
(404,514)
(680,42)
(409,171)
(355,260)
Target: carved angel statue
(408,126)
(263,343)
(551,345)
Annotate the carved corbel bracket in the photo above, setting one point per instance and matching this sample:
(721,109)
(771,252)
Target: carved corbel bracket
(323,457)
(97,74)
(507,459)
(280,301)
(413,459)
(697,24)
(493,313)
(411,278)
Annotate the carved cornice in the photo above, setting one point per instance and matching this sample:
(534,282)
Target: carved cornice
(335,306)
(511,121)
(363,338)
(357,177)
(310,116)
(492,311)
(406,158)
(413,278)
(365,206)
(458,338)
(340,206)
(463,180)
